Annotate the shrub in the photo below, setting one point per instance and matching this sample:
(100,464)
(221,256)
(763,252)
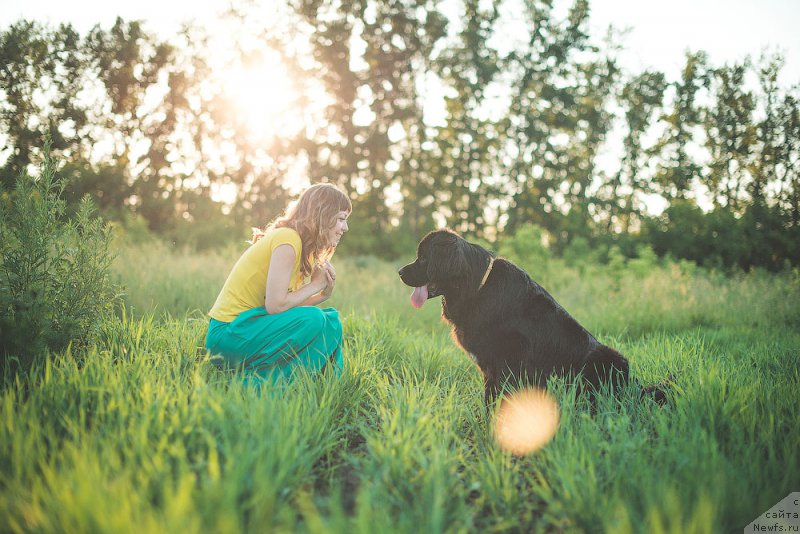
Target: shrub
(527,248)
(54,270)
(644,262)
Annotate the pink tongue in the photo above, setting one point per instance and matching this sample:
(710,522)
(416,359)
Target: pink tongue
(419,296)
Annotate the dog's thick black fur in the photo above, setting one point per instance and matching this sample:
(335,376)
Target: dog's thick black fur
(514,330)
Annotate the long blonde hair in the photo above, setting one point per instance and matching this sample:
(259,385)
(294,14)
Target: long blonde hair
(312,216)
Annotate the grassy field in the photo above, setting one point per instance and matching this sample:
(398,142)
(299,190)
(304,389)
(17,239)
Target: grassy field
(141,433)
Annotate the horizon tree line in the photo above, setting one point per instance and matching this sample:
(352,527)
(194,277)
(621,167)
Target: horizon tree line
(138,121)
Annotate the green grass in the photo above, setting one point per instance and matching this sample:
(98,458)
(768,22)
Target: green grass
(142,434)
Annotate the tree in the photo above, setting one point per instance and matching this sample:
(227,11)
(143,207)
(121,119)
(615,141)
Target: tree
(42,72)
(677,170)
(468,145)
(730,138)
(641,98)
(557,121)
(788,157)
(373,119)
(129,63)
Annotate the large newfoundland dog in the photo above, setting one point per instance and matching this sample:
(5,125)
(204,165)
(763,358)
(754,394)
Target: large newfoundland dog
(514,330)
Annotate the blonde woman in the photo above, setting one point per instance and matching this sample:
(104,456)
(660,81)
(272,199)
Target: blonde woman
(265,319)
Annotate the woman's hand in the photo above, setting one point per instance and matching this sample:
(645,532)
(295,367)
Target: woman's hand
(331,270)
(330,277)
(319,279)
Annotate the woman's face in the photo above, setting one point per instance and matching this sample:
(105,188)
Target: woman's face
(339,228)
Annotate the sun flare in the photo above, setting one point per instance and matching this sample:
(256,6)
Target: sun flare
(526,421)
(261,94)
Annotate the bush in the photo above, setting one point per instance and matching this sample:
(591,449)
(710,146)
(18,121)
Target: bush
(54,271)
(645,261)
(527,247)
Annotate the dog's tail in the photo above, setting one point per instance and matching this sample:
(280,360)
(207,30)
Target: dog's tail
(604,365)
(657,392)
(607,366)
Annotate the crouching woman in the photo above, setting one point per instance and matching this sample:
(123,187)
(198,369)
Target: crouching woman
(265,320)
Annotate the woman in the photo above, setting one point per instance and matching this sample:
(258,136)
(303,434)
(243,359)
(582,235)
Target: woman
(265,319)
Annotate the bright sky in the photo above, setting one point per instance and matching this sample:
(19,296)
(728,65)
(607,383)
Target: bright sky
(728,30)
(660,32)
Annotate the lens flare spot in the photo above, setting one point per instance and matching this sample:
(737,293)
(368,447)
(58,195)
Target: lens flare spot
(526,421)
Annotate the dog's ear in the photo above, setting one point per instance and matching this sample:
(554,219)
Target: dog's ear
(456,264)
(441,258)
(477,260)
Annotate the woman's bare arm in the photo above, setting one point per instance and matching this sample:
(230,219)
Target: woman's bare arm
(278,298)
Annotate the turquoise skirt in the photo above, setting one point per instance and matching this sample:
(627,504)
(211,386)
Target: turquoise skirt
(271,346)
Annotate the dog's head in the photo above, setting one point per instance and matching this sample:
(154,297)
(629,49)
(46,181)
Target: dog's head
(446,265)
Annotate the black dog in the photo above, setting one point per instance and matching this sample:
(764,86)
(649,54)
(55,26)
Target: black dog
(513,329)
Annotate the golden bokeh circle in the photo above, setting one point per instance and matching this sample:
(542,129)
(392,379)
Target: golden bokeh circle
(526,421)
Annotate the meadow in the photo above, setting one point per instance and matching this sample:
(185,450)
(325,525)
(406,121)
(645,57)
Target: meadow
(140,432)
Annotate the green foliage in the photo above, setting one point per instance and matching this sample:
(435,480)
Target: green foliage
(732,138)
(760,237)
(527,246)
(55,271)
(389,244)
(578,252)
(642,98)
(644,262)
(519,140)
(677,171)
(39,61)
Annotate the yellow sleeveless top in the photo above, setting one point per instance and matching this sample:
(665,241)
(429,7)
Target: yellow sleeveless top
(246,286)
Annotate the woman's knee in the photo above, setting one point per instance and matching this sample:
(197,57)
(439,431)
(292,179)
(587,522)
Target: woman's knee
(332,320)
(314,322)
(313,318)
